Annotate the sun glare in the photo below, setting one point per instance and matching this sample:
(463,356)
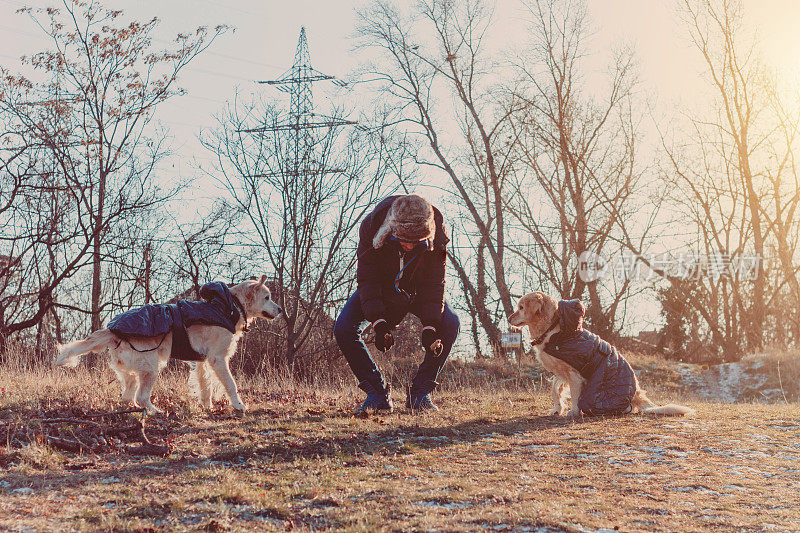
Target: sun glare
(774,23)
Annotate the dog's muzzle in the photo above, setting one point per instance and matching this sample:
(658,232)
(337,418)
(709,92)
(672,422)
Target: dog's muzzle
(512,322)
(273,316)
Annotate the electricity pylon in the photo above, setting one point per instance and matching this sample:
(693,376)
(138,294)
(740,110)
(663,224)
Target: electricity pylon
(298,82)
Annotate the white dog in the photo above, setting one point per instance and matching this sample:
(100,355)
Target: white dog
(138,367)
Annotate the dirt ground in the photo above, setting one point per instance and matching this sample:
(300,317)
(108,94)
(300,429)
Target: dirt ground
(489,460)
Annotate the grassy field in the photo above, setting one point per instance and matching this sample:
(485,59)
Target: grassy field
(489,460)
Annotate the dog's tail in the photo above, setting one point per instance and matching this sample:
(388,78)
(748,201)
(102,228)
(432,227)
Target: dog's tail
(69,355)
(646,406)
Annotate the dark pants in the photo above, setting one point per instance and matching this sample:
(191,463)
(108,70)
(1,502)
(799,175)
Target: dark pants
(351,323)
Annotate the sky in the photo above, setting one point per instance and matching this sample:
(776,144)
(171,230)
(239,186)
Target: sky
(263,44)
(265,37)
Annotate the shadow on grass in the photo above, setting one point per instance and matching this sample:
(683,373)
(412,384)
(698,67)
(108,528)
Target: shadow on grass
(403,438)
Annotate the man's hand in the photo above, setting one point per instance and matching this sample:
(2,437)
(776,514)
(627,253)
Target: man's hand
(432,341)
(383,335)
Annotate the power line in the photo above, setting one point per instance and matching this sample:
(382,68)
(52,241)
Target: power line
(167,240)
(243,60)
(20,32)
(217,74)
(230,57)
(231,8)
(204,98)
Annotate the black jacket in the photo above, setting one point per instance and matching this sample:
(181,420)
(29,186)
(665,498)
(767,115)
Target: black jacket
(377,269)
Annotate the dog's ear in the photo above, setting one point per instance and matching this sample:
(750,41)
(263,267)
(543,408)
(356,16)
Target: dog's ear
(550,304)
(536,304)
(263,279)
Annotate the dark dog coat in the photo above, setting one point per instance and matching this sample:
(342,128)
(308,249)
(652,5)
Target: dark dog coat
(217,309)
(610,381)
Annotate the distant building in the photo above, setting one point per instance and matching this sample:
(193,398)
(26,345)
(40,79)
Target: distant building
(650,337)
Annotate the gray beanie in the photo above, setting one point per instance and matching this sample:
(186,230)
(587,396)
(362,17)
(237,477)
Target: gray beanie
(410,218)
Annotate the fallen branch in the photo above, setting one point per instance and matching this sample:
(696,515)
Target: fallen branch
(140,410)
(65,444)
(142,436)
(77,445)
(111,432)
(70,421)
(148,449)
(81,441)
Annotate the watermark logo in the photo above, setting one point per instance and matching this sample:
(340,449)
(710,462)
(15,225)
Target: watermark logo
(592,267)
(683,266)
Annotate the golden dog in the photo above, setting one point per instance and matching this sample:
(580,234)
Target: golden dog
(137,368)
(538,311)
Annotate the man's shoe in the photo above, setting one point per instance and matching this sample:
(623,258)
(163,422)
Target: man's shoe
(378,401)
(421,403)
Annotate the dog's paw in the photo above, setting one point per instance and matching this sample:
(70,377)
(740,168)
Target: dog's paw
(574,414)
(554,412)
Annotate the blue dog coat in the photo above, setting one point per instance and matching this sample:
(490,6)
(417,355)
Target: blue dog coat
(218,309)
(610,381)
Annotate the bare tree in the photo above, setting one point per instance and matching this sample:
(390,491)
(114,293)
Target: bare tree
(38,233)
(733,174)
(576,189)
(783,200)
(209,250)
(301,209)
(432,54)
(107,79)
(80,151)
(735,79)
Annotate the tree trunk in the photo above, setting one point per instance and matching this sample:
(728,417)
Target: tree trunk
(755,331)
(3,339)
(600,322)
(57,323)
(96,258)
(787,266)
(148,268)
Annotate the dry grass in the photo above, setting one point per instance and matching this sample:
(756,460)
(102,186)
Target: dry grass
(487,460)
